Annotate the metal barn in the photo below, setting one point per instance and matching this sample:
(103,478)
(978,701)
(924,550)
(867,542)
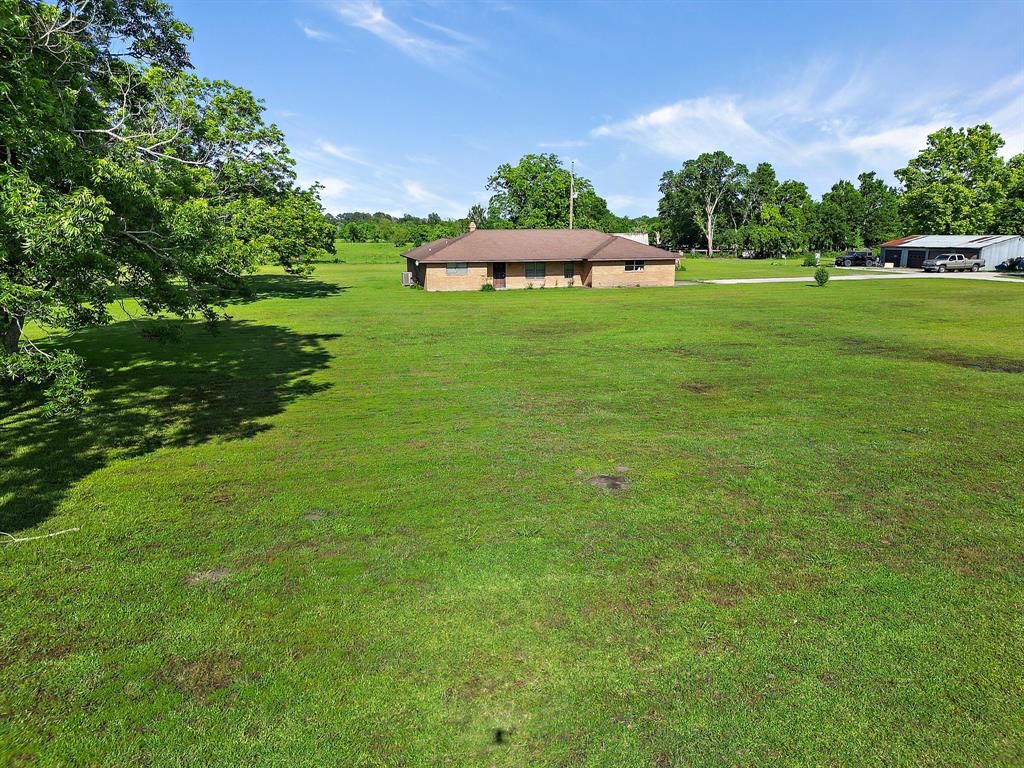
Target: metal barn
(912,251)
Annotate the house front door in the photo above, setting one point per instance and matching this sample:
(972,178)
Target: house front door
(499,274)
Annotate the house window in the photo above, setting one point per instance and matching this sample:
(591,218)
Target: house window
(457,268)
(535,270)
(634,266)
(567,270)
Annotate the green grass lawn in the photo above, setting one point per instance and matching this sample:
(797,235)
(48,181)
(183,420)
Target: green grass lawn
(722,268)
(356,527)
(369,253)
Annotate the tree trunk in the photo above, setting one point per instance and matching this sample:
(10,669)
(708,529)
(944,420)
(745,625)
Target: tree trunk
(11,334)
(711,235)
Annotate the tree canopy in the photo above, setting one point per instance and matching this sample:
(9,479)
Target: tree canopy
(702,191)
(126,178)
(958,184)
(534,193)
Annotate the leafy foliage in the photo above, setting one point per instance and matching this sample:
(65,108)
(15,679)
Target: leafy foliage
(123,175)
(699,193)
(535,193)
(955,185)
(821,276)
(881,214)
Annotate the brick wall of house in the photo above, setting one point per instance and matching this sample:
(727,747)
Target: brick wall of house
(436,278)
(554,276)
(613,274)
(599,274)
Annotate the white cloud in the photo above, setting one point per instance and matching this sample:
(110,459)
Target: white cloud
(312,33)
(817,129)
(685,128)
(353,180)
(454,34)
(417,193)
(349,154)
(368,15)
(905,140)
(334,189)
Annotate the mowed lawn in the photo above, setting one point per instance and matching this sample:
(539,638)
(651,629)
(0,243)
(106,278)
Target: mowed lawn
(370,253)
(357,527)
(720,268)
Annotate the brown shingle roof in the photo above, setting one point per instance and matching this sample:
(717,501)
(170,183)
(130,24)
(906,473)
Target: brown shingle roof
(536,245)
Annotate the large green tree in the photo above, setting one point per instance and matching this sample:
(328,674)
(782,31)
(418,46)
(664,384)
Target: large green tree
(751,191)
(881,215)
(698,195)
(1010,211)
(124,176)
(838,219)
(781,225)
(955,184)
(534,193)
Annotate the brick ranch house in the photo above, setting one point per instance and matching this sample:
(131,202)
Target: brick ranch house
(543,258)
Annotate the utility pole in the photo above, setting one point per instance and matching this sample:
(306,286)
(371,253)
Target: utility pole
(572,189)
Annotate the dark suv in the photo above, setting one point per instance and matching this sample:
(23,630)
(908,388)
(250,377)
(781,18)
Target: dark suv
(857,259)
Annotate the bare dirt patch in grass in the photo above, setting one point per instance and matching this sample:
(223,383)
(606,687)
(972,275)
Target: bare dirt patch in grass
(610,482)
(202,678)
(987,363)
(313,515)
(208,577)
(726,595)
(698,387)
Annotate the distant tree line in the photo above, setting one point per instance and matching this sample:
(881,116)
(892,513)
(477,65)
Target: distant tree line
(533,194)
(958,184)
(380,227)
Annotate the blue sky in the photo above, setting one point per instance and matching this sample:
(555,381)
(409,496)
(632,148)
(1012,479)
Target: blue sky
(408,107)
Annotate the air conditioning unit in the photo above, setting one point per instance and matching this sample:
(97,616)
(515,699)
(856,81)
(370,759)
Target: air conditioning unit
(407,278)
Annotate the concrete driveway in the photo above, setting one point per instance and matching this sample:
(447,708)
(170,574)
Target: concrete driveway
(993,277)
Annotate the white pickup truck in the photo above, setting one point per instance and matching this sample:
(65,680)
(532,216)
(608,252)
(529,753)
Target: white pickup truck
(952,262)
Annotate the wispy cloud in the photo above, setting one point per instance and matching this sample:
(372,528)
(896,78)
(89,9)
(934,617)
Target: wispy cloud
(687,128)
(335,191)
(313,33)
(820,128)
(368,15)
(353,180)
(349,154)
(454,34)
(417,193)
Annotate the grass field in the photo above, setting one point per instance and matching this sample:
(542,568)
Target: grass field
(721,268)
(369,253)
(360,527)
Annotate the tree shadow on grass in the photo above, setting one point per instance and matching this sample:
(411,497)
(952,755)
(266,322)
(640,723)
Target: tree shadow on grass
(207,386)
(257,287)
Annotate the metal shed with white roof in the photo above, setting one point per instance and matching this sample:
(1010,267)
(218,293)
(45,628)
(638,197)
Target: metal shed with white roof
(912,251)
